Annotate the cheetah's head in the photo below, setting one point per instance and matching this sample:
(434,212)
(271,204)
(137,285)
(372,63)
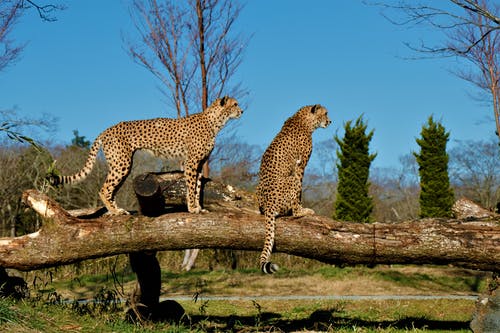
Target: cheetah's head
(319,116)
(226,108)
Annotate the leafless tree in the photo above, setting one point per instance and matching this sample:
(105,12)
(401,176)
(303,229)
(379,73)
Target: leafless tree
(22,168)
(475,171)
(395,191)
(484,55)
(446,18)
(9,52)
(319,186)
(218,50)
(190,47)
(235,162)
(165,48)
(10,11)
(472,32)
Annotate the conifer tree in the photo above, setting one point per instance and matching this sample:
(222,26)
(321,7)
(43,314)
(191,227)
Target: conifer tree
(353,202)
(436,195)
(80,141)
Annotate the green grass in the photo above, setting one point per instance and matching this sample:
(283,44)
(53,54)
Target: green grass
(473,283)
(212,316)
(56,318)
(7,314)
(457,280)
(251,281)
(47,312)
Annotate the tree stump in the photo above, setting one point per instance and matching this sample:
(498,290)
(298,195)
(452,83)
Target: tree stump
(145,300)
(157,194)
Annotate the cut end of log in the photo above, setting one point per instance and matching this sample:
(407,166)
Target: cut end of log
(39,203)
(46,207)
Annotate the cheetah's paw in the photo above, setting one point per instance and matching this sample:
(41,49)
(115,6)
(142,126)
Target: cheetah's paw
(304,212)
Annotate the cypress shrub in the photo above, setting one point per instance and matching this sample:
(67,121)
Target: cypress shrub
(353,202)
(436,195)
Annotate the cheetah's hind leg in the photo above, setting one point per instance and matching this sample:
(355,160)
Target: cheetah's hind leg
(114,180)
(193,185)
(198,192)
(111,205)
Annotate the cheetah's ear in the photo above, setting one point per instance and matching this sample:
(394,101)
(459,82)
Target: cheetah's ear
(223,101)
(315,108)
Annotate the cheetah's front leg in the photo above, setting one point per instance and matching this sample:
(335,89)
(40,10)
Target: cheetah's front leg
(295,204)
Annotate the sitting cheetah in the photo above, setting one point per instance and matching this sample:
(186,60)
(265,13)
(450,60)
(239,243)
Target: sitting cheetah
(281,171)
(190,139)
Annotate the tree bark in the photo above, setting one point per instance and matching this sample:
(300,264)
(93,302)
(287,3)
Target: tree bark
(236,224)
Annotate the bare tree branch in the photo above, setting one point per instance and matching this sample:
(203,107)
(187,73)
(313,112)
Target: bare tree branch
(443,19)
(476,7)
(472,31)
(10,11)
(9,14)
(15,127)
(167,48)
(44,11)
(222,50)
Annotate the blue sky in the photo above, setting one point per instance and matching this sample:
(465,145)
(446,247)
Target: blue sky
(342,54)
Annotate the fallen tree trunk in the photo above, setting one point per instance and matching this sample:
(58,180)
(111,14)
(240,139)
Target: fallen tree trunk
(65,239)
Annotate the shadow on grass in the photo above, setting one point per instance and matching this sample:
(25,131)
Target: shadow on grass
(322,320)
(464,280)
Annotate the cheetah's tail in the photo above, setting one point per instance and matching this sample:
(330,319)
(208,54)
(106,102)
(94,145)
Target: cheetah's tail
(266,265)
(269,267)
(55,179)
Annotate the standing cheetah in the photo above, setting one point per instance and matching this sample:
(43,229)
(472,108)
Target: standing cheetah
(189,139)
(281,172)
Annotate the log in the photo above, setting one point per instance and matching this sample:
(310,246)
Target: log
(160,193)
(233,224)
